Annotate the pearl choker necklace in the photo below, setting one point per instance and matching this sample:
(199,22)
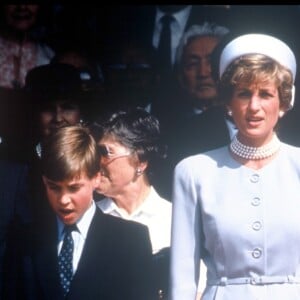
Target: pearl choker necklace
(255,153)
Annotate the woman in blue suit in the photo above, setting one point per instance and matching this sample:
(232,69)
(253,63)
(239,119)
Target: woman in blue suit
(238,207)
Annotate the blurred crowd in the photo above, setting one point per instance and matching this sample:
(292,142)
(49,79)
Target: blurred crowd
(116,50)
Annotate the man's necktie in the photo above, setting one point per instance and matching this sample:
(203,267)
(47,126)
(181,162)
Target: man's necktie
(164,47)
(65,259)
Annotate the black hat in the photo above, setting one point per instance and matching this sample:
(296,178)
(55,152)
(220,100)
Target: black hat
(53,81)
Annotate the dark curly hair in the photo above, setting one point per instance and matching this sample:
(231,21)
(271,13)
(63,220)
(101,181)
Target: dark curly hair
(138,131)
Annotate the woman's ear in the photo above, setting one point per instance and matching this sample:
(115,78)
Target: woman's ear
(293,97)
(143,166)
(281,113)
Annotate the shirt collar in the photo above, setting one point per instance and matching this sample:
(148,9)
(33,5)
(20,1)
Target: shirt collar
(82,224)
(148,207)
(38,149)
(180,16)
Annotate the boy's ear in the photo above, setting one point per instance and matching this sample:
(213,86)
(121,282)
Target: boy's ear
(96,179)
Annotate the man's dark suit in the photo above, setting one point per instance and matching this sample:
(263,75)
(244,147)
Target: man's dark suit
(189,135)
(114,265)
(14,206)
(139,19)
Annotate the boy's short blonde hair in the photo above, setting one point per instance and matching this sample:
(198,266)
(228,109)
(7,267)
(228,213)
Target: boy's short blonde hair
(70,152)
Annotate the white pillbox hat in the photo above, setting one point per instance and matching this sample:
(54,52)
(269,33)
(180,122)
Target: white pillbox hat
(259,44)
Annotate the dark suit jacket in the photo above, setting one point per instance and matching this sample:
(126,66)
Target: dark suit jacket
(139,19)
(14,206)
(187,136)
(114,265)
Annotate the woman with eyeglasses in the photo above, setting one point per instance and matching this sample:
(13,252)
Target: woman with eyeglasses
(130,151)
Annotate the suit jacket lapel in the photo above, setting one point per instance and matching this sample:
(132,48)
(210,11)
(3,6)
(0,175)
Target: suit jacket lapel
(89,267)
(47,265)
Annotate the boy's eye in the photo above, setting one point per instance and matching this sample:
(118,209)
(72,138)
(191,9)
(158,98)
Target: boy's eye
(53,187)
(74,188)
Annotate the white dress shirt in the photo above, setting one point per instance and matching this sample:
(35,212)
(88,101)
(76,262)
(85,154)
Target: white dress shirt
(79,236)
(177,28)
(155,213)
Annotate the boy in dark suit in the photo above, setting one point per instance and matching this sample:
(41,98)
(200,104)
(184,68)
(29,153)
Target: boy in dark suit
(107,258)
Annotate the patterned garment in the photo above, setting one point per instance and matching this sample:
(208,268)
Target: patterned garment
(17,59)
(65,260)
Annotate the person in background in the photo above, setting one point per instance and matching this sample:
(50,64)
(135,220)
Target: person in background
(194,67)
(197,119)
(151,22)
(130,155)
(193,120)
(21,47)
(151,25)
(237,207)
(115,251)
(88,67)
(57,100)
(196,89)
(14,212)
(172,19)
(130,77)
(91,76)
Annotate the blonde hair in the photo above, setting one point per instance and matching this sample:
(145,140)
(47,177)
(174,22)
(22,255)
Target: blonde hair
(255,68)
(70,152)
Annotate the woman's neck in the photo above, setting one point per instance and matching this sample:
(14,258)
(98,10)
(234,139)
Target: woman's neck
(133,197)
(254,157)
(256,141)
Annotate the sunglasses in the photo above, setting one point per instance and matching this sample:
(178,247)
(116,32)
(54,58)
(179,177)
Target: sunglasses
(107,157)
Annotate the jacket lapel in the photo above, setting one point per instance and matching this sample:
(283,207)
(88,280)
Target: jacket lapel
(47,265)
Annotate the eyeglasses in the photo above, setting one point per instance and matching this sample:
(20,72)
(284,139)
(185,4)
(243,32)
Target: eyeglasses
(107,157)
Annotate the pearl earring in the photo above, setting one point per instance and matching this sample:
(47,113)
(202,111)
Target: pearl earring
(229,112)
(139,172)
